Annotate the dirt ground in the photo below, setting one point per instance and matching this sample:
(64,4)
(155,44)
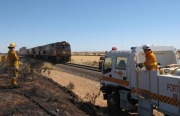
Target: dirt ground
(85,88)
(42,92)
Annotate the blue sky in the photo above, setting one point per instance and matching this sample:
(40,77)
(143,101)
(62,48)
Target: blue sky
(90,25)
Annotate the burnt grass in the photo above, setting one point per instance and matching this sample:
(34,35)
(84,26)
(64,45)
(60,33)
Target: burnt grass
(54,98)
(39,95)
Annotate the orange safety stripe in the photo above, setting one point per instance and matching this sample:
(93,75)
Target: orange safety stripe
(169,100)
(114,80)
(154,96)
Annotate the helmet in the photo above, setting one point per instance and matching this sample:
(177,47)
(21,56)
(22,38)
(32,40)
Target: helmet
(12,45)
(146,47)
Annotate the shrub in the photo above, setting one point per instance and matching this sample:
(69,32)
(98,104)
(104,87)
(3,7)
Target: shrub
(92,98)
(70,86)
(95,63)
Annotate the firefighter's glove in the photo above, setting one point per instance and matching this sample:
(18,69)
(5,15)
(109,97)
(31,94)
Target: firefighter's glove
(140,65)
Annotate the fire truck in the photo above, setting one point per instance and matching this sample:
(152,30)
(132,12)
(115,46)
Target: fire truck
(124,85)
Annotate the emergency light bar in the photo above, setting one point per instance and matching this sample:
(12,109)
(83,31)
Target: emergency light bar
(114,48)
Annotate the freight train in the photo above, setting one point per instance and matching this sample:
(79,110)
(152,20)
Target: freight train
(55,52)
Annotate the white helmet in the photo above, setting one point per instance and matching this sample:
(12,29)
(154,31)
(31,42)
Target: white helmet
(146,47)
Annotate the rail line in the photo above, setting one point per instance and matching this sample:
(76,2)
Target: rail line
(8,88)
(92,68)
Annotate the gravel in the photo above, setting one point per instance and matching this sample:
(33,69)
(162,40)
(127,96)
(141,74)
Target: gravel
(80,72)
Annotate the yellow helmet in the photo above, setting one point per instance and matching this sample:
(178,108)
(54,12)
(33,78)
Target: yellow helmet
(12,45)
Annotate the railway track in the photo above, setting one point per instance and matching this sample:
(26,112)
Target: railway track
(92,68)
(21,93)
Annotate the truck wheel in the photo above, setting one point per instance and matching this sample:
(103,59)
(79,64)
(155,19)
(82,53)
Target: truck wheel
(113,103)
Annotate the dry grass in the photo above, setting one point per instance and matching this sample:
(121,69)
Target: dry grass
(88,53)
(86,60)
(86,89)
(92,97)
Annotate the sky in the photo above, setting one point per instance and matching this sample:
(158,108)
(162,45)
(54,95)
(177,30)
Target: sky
(89,25)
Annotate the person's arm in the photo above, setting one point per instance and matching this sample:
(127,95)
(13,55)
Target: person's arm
(16,58)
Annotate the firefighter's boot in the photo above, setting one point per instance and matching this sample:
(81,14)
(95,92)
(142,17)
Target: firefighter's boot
(14,82)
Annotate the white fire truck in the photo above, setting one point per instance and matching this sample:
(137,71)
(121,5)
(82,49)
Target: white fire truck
(125,85)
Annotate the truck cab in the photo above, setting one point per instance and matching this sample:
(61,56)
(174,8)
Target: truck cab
(124,84)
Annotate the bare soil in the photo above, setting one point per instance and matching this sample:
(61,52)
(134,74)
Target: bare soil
(85,88)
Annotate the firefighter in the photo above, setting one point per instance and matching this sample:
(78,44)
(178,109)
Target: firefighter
(0,59)
(4,59)
(13,61)
(150,60)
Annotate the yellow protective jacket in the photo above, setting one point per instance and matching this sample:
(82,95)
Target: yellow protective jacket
(0,59)
(4,59)
(150,62)
(13,59)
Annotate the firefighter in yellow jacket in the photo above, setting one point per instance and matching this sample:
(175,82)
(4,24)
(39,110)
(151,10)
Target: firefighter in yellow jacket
(0,59)
(13,61)
(150,60)
(4,59)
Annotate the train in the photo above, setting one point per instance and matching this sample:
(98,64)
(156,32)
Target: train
(55,52)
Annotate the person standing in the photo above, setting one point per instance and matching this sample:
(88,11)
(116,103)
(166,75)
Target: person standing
(13,62)
(4,59)
(150,59)
(0,59)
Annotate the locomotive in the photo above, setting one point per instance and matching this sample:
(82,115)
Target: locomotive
(55,52)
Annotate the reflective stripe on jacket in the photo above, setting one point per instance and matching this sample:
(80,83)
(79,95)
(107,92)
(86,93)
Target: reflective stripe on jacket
(154,63)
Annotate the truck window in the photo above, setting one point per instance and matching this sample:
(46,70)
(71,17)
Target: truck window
(121,63)
(107,65)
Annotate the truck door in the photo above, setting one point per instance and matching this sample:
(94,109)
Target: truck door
(107,68)
(120,70)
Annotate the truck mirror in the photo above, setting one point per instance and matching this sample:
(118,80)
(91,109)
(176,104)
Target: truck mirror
(101,58)
(100,65)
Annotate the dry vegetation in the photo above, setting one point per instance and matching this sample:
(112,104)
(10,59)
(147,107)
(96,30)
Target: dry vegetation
(57,99)
(83,87)
(86,60)
(88,53)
